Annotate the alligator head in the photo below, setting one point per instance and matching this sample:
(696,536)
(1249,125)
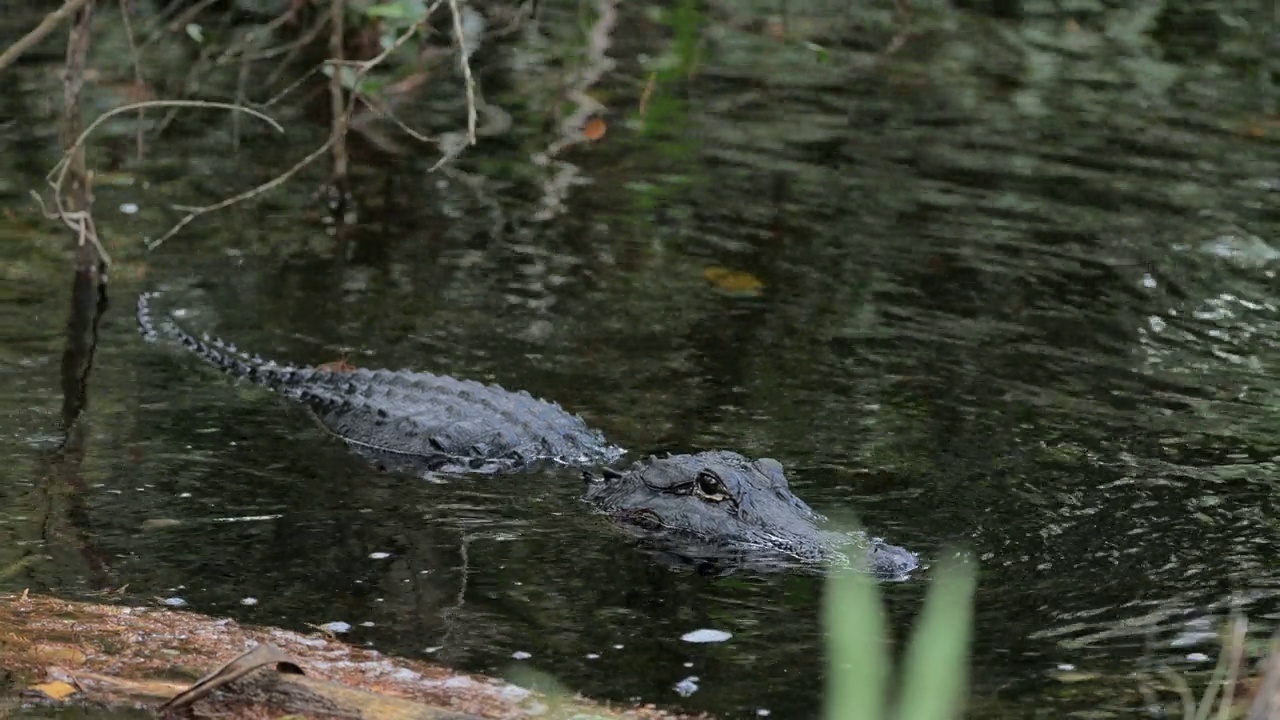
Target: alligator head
(722,501)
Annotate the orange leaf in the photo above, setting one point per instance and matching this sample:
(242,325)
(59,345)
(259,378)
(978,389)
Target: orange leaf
(594,129)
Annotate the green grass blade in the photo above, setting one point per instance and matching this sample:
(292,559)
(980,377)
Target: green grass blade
(857,659)
(936,665)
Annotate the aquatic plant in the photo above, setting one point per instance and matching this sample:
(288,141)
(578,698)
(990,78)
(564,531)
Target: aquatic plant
(934,676)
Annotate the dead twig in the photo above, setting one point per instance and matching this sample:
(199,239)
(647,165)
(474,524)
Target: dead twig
(463,57)
(292,48)
(338,132)
(79,219)
(90,255)
(242,98)
(80,222)
(380,110)
(60,169)
(195,212)
(191,14)
(139,83)
(39,32)
(240,46)
(306,38)
(902,8)
(362,68)
(234,670)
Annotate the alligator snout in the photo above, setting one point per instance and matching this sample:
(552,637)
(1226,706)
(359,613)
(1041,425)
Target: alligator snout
(892,562)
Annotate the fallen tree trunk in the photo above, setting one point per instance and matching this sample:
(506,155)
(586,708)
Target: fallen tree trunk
(57,651)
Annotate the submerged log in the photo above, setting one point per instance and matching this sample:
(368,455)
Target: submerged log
(182,664)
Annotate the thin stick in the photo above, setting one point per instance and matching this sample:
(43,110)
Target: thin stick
(240,47)
(311,34)
(61,168)
(902,8)
(242,97)
(361,69)
(364,66)
(466,71)
(195,212)
(138,81)
(46,26)
(81,222)
(80,194)
(191,14)
(381,110)
(290,87)
(338,133)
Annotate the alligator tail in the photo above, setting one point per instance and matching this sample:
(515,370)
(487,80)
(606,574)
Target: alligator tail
(215,351)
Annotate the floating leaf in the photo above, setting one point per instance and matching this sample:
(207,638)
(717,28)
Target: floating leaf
(57,690)
(737,282)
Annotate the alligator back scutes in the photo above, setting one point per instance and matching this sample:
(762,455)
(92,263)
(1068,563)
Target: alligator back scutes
(462,422)
(218,353)
(451,424)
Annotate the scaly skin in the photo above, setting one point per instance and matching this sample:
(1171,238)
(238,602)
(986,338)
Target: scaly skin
(434,422)
(721,504)
(712,505)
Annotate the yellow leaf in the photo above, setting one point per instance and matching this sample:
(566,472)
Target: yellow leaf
(56,690)
(733,281)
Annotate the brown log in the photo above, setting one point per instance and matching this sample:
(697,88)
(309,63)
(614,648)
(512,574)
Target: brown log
(72,652)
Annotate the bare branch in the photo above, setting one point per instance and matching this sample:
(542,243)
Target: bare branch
(381,110)
(191,14)
(305,39)
(338,133)
(46,26)
(61,168)
(361,69)
(139,82)
(240,46)
(195,212)
(80,195)
(81,222)
(463,57)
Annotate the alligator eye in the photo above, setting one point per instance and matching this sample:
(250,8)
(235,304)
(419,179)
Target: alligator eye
(710,487)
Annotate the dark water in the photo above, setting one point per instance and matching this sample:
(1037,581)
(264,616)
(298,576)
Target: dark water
(1016,294)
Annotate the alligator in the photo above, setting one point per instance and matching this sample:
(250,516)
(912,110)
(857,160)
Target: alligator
(716,505)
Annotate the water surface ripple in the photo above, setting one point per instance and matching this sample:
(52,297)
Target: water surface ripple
(1003,305)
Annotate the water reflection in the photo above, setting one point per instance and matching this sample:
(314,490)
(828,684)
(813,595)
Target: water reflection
(1024,311)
